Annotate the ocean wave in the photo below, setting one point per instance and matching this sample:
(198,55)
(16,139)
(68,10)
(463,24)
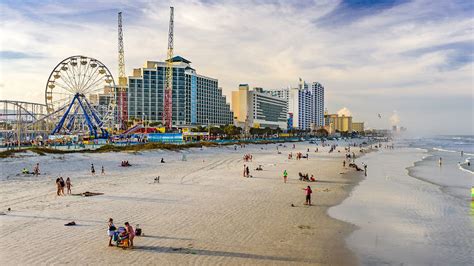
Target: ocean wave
(443,150)
(461,167)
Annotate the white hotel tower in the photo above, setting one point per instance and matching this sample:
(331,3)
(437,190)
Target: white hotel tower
(305,105)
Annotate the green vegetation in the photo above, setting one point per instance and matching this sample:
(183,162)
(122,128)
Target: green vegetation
(129,148)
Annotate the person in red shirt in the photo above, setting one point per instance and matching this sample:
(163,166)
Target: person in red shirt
(308,195)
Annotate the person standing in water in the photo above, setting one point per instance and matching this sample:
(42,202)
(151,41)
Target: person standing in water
(37,169)
(440,161)
(92,169)
(103,170)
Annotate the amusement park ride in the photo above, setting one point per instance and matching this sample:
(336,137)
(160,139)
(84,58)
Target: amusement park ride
(79,95)
(82,98)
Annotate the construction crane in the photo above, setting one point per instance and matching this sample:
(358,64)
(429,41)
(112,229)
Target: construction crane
(168,101)
(122,87)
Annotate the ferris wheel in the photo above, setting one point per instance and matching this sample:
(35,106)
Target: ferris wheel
(80,97)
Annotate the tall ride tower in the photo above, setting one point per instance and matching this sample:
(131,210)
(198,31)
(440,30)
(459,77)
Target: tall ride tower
(168,104)
(121,91)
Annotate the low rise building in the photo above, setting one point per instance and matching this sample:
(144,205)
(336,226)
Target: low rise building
(358,127)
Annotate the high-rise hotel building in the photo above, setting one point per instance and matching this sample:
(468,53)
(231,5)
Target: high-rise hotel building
(257,108)
(305,105)
(197,99)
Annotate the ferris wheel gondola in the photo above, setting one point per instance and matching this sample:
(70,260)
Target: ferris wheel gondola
(82,89)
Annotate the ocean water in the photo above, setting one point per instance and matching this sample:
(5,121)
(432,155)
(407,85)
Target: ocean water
(410,210)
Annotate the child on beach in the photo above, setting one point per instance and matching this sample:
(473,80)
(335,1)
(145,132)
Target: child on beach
(285,176)
(131,233)
(308,195)
(68,185)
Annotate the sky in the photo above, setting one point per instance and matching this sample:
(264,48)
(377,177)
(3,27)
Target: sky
(409,60)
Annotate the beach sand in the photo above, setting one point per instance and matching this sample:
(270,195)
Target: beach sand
(203,211)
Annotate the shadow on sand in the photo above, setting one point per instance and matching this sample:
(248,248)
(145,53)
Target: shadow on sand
(165,237)
(204,252)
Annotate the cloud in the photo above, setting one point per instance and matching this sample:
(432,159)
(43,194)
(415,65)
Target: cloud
(374,56)
(344,111)
(12,55)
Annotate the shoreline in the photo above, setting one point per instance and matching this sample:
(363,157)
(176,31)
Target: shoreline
(390,204)
(204,213)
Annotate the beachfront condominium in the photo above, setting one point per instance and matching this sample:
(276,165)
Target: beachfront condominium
(338,123)
(197,99)
(305,105)
(257,108)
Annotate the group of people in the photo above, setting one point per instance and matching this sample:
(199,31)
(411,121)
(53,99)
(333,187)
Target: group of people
(248,157)
(122,235)
(298,156)
(61,184)
(125,164)
(306,177)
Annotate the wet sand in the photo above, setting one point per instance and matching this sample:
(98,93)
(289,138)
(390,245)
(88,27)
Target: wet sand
(413,216)
(202,212)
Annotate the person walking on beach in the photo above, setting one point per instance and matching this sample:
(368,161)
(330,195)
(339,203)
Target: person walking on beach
(131,233)
(308,195)
(365,169)
(62,184)
(103,170)
(92,169)
(285,176)
(68,185)
(245,170)
(344,163)
(58,186)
